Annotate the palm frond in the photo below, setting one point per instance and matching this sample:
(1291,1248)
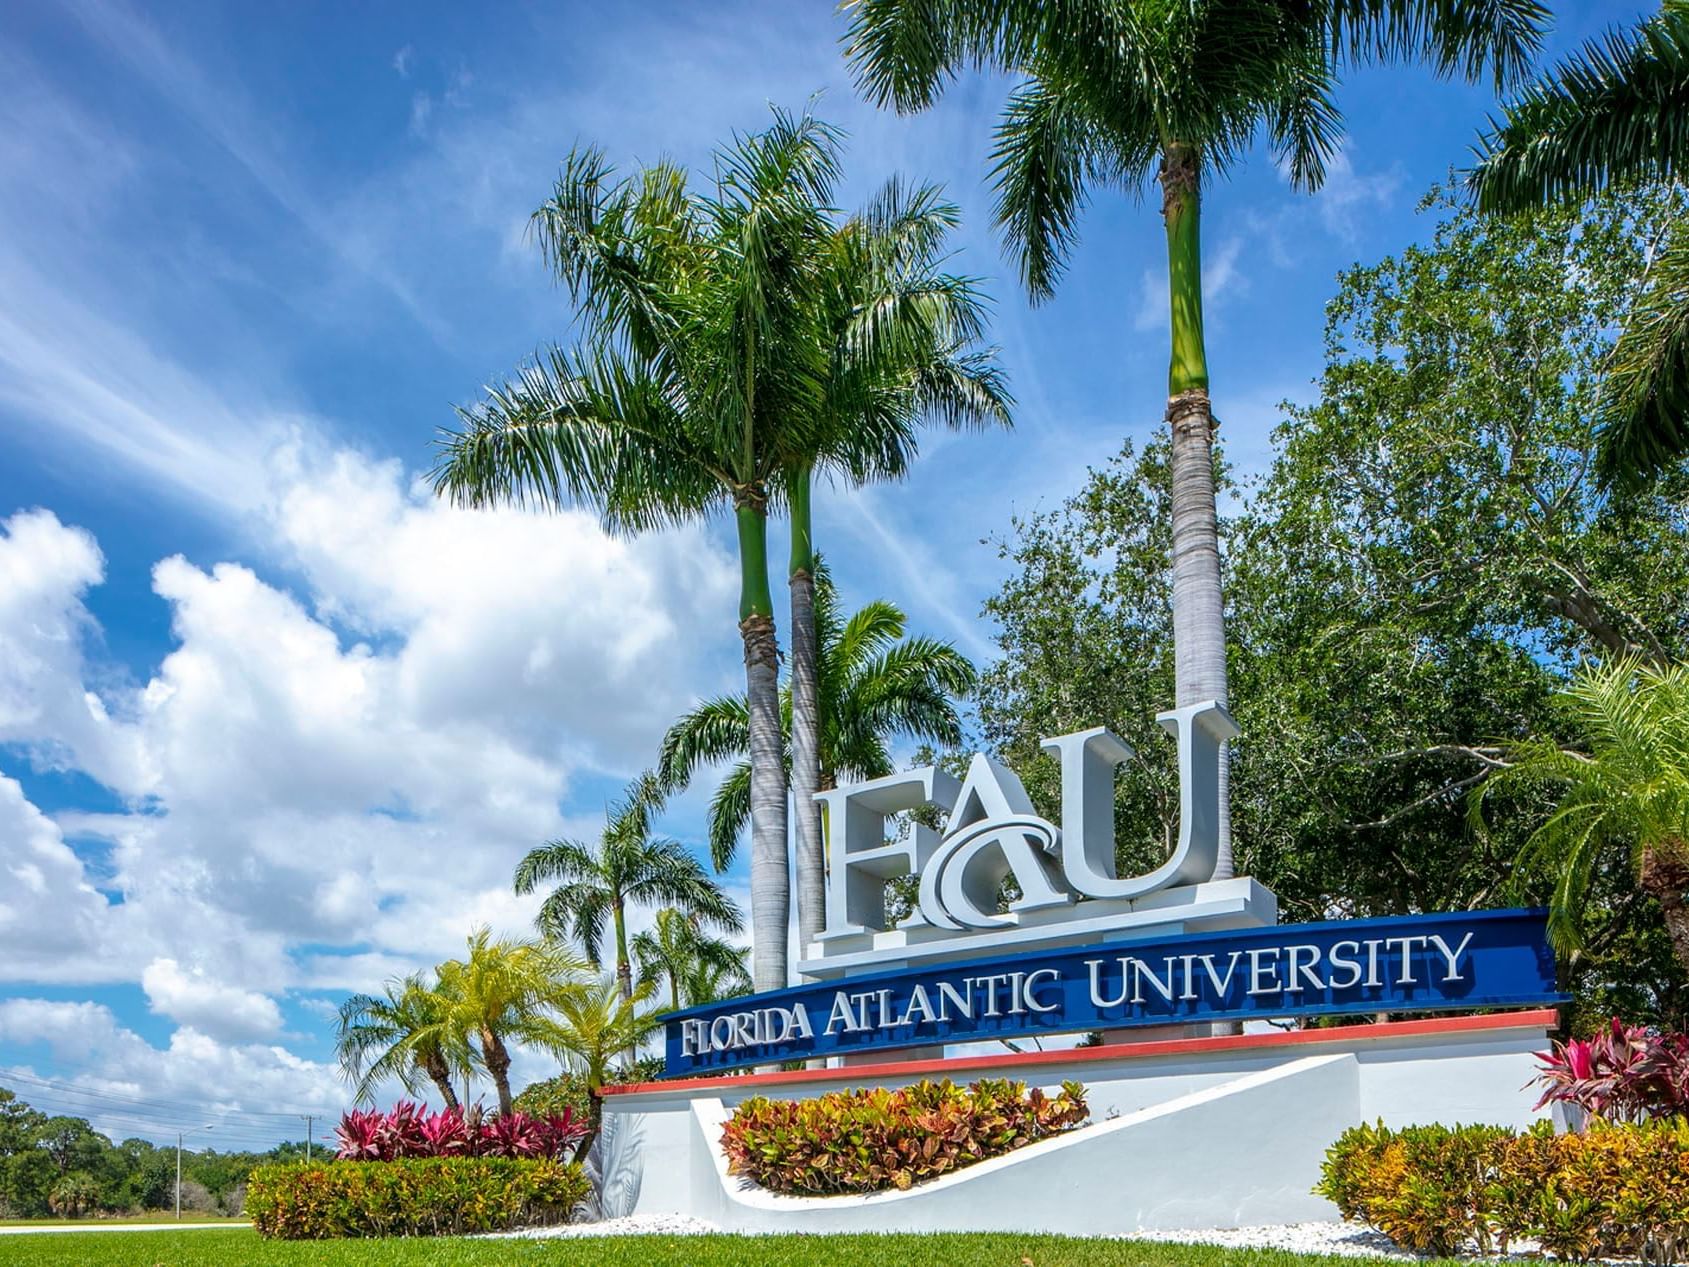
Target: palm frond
(1617,111)
(1643,420)
(716,730)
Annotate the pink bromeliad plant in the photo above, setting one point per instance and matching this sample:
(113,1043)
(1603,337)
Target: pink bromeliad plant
(409,1130)
(1626,1073)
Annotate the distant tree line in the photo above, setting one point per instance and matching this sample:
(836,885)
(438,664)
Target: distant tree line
(61,1166)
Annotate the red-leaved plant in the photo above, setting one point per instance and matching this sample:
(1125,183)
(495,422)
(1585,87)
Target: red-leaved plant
(1626,1073)
(408,1130)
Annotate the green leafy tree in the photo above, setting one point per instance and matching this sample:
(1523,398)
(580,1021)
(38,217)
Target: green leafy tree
(18,1124)
(694,388)
(1615,113)
(26,1179)
(628,866)
(592,1025)
(405,1034)
(875,684)
(677,952)
(1627,791)
(71,1143)
(1115,92)
(903,341)
(502,990)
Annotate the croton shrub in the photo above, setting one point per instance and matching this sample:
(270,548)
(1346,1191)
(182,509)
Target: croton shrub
(429,1196)
(408,1130)
(864,1141)
(1616,1190)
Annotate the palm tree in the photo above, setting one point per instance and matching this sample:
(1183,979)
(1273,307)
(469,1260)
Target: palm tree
(1614,113)
(713,982)
(1115,90)
(502,990)
(694,388)
(628,865)
(403,1034)
(903,340)
(591,1024)
(1629,791)
(873,685)
(675,949)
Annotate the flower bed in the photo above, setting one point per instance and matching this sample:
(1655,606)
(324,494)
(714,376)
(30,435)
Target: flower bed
(1615,1190)
(434,1196)
(866,1141)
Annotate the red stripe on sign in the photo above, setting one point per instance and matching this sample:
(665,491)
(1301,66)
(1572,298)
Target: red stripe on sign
(1537,1018)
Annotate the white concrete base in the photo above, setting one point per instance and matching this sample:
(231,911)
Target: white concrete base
(1194,1133)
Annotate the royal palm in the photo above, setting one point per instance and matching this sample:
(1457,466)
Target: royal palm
(628,867)
(903,342)
(695,388)
(1617,112)
(1114,92)
(874,686)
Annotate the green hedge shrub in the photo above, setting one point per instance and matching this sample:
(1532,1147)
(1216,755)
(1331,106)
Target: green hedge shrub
(1618,1190)
(864,1141)
(433,1196)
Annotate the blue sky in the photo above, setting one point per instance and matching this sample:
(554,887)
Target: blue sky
(274,725)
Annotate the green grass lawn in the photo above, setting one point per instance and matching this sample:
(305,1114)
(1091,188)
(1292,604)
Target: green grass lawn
(148,1216)
(244,1248)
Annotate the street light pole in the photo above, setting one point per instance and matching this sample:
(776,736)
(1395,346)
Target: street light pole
(179,1135)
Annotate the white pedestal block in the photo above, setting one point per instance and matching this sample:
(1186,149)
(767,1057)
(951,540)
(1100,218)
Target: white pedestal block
(1185,1133)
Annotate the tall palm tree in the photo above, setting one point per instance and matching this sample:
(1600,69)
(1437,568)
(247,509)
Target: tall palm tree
(694,388)
(874,685)
(402,1033)
(592,1024)
(1114,91)
(1629,790)
(904,346)
(502,990)
(676,950)
(1616,112)
(628,866)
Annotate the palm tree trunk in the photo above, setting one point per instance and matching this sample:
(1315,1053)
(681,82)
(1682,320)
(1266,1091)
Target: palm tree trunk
(497,1059)
(1665,878)
(806,722)
(1199,632)
(624,968)
(771,893)
(440,1074)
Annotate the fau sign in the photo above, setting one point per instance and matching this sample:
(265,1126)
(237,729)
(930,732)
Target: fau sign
(992,833)
(1082,947)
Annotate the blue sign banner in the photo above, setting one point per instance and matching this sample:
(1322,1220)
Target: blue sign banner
(1471,959)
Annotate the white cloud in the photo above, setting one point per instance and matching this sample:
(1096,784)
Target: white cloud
(1348,196)
(422,106)
(248,1092)
(360,768)
(402,61)
(192,998)
(49,912)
